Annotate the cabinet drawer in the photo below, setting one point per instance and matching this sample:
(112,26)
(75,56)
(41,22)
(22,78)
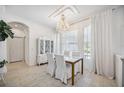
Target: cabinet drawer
(42,59)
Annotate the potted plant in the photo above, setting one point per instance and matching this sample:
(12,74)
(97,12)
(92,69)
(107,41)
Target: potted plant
(3,69)
(5,32)
(2,63)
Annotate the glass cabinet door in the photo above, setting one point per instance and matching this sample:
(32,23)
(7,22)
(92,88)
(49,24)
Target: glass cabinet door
(41,47)
(52,46)
(47,46)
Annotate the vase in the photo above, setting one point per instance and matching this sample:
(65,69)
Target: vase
(3,50)
(3,72)
(3,69)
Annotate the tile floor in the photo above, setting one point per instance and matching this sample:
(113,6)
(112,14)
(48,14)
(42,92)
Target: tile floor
(21,75)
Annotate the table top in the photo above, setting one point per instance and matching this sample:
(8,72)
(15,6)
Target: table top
(72,60)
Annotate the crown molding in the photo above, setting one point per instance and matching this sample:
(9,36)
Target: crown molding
(62,9)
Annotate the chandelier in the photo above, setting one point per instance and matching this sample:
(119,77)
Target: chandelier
(62,24)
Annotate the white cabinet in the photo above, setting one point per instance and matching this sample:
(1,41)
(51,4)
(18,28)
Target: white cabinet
(44,46)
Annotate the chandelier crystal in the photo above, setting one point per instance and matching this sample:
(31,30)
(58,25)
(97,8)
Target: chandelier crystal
(62,25)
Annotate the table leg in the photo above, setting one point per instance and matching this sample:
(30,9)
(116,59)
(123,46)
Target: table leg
(82,66)
(72,74)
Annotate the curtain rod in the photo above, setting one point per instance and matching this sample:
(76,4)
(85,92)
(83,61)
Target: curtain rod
(80,21)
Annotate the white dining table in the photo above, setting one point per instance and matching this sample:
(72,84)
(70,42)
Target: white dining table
(73,61)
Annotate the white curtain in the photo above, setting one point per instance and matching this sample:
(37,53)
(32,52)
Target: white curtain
(101,25)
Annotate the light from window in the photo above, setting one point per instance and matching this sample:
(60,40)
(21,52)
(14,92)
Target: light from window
(87,42)
(69,41)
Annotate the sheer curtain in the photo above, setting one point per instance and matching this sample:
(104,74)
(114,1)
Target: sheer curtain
(77,31)
(69,41)
(102,55)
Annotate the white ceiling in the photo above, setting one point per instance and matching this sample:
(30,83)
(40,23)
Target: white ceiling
(40,13)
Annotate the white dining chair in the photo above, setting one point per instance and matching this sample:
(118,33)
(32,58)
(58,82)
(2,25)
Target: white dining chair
(63,71)
(51,64)
(76,54)
(67,53)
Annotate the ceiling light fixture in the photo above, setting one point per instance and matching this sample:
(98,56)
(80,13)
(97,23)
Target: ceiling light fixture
(60,15)
(62,24)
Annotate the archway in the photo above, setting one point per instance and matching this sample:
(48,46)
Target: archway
(18,48)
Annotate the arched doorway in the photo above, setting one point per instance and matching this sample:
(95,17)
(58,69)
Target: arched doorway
(18,47)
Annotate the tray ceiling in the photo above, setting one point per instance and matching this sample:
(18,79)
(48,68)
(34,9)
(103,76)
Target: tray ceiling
(49,14)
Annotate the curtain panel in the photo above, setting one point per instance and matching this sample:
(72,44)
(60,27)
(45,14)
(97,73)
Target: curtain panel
(102,55)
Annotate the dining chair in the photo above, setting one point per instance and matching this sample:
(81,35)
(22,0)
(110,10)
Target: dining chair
(63,71)
(67,53)
(76,53)
(51,64)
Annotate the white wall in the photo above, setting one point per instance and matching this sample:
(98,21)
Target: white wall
(118,31)
(18,33)
(118,42)
(35,31)
(122,31)
(2,11)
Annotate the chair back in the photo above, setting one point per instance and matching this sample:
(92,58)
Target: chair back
(67,53)
(60,72)
(51,64)
(76,54)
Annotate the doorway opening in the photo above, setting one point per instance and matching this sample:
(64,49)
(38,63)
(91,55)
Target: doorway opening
(18,47)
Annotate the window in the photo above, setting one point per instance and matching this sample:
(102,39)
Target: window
(69,41)
(87,42)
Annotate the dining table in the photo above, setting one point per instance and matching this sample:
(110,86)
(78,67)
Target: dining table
(73,61)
